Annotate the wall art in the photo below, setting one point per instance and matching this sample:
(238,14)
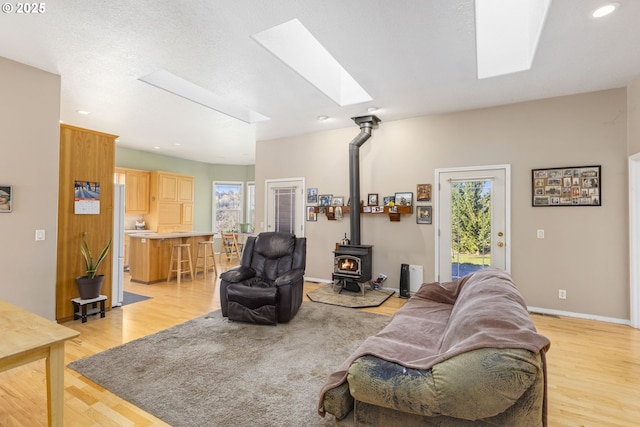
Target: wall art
(566,186)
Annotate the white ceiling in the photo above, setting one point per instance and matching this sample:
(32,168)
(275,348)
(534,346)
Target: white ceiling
(414,57)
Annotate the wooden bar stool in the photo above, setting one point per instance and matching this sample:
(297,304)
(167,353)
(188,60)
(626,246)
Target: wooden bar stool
(178,257)
(229,246)
(205,254)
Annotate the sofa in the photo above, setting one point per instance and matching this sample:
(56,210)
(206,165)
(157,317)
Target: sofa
(461,353)
(267,286)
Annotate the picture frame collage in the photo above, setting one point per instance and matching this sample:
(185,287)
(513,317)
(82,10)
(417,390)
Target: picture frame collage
(566,186)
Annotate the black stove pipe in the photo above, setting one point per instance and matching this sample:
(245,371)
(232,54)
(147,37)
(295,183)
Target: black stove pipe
(366,123)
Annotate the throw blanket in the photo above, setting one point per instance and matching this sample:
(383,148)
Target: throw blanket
(482,310)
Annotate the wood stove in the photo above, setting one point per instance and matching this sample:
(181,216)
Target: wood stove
(352,266)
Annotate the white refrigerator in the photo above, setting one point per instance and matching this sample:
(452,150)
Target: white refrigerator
(117,247)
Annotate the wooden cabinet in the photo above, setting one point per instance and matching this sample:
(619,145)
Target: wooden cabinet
(170,202)
(136,190)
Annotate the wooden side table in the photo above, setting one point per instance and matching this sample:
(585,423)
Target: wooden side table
(80,307)
(26,337)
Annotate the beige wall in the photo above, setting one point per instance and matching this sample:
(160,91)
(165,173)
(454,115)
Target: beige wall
(29,119)
(633,113)
(585,249)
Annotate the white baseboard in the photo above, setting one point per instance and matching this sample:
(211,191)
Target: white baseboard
(578,315)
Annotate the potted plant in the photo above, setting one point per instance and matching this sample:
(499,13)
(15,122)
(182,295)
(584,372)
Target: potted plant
(89,285)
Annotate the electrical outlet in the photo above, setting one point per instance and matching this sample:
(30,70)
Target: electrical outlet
(562,294)
(540,234)
(40,235)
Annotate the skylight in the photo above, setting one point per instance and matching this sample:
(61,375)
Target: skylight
(507,34)
(164,80)
(294,45)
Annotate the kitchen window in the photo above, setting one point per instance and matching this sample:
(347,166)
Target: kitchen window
(227,206)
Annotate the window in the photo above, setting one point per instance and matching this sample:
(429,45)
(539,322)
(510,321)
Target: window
(251,204)
(227,206)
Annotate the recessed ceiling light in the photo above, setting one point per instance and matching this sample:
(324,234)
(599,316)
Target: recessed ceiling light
(177,144)
(156,148)
(323,118)
(293,44)
(83,112)
(605,10)
(372,109)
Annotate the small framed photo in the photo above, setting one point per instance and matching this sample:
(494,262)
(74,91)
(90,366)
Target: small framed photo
(424,193)
(312,195)
(423,214)
(404,199)
(366,209)
(6,197)
(377,209)
(325,199)
(393,209)
(337,201)
(372,199)
(386,200)
(311,213)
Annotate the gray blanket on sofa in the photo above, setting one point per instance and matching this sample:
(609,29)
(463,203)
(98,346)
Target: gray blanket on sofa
(482,310)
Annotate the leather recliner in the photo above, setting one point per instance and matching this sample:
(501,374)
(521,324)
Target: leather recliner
(267,286)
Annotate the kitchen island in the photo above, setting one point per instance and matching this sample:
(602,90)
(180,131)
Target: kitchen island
(150,253)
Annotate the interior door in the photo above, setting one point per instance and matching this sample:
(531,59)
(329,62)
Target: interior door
(473,220)
(285,206)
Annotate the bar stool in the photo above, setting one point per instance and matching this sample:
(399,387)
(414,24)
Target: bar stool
(177,257)
(229,246)
(206,254)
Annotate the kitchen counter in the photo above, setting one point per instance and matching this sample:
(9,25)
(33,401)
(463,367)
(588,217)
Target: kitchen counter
(150,253)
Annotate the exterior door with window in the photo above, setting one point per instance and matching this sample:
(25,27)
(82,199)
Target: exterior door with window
(285,208)
(472,221)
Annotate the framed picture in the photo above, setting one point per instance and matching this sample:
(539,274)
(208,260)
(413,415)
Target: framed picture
(366,209)
(424,193)
(393,209)
(566,186)
(404,199)
(337,201)
(325,199)
(377,209)
(6,197)
(312,195)
(423,214)
(311,213)
(372,199)
(386,200)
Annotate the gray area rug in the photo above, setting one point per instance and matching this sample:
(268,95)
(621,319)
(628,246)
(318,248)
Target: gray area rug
(371,298)
(213,372)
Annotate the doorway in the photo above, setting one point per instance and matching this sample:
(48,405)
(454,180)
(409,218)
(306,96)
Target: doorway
(285,205)
(634,238)
(472,221)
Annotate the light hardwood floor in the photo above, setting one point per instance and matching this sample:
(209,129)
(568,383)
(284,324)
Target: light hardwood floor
(593,367)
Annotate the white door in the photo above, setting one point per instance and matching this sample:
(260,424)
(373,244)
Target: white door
(472,221)
(285,206)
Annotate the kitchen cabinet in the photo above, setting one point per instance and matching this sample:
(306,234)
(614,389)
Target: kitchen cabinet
(170,202)
(136,190)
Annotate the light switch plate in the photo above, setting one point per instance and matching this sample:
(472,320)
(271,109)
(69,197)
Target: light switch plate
(40,235)
(540,234)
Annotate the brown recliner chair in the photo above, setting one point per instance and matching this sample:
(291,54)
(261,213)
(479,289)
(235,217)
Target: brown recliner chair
(267,286)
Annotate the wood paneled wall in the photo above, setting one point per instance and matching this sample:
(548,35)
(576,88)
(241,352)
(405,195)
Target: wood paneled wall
(85,155)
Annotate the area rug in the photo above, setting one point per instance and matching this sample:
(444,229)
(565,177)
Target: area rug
(372,298)
(213,372)
(130,298)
